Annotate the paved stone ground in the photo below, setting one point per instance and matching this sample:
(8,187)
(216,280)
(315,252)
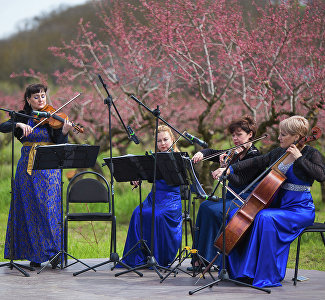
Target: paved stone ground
(56,284)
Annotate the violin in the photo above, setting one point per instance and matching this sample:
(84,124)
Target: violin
(56,119)
(231,154)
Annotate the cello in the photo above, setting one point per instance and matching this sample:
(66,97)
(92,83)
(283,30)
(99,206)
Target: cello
(261,197)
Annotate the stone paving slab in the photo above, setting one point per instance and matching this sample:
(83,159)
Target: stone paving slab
(55,284)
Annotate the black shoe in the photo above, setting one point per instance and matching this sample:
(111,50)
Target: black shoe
(195,269)
(54,262)
(247,280)
(33,264)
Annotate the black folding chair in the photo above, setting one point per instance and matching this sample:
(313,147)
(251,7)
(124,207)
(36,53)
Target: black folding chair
(316,227)
(89,190)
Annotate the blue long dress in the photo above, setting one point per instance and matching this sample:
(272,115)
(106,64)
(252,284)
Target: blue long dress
(210,214)
(37,199)
(263,255)
(209,223)
(168,226)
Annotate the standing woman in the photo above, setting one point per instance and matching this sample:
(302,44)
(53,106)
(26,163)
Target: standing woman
(168,217)
(37,193)
(209,217)
(262,257)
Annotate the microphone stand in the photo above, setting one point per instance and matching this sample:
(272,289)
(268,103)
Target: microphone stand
(114,257)
(11,264)
(151,260)
(223,274)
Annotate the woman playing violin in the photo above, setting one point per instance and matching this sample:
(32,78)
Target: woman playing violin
(209,217)
(168,217)
(262,257)
(37,193)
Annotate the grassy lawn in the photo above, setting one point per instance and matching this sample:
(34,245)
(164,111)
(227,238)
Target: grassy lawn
(92,240)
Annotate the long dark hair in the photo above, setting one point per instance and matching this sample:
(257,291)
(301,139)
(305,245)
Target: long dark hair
(32,89)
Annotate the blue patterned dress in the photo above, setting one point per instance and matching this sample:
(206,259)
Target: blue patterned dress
(263,254)
(168,226)
(37,199)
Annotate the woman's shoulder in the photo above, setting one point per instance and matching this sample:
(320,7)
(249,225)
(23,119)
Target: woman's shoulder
(22,119)
(309,150)
(252,152)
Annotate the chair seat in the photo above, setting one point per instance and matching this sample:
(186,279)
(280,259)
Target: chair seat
(316,227)
(89,216)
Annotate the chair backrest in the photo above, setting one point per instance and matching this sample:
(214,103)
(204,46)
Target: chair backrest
(88,190)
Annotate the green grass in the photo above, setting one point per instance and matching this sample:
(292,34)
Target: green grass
(92,240)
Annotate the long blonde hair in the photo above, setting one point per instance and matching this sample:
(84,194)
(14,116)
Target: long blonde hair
(164,128)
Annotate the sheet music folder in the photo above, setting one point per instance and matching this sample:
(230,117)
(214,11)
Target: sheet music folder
(130,167)
(65,156)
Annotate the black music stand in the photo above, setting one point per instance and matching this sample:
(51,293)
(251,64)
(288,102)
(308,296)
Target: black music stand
(136,167)
(64,156)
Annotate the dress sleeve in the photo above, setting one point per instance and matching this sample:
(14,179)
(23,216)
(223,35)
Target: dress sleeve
(6,126)
(312,165)
(58,137)
(245,171)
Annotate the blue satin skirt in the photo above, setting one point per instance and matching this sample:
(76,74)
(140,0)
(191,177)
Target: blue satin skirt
(167,230)
(263,254)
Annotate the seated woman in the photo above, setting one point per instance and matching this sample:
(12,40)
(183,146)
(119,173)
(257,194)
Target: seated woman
(168,217)
(262,256)
(209,217)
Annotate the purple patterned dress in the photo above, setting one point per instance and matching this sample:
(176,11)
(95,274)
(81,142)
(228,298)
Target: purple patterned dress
(37,199)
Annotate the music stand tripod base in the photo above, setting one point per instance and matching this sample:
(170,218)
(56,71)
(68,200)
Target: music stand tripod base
(195,257)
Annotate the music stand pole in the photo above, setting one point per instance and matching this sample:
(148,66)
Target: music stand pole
(11,264)
(114,257)
(223,274)
(151,260)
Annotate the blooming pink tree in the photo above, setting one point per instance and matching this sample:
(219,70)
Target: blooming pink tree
(203,62)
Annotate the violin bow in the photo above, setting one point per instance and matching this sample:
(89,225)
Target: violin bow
(235,147)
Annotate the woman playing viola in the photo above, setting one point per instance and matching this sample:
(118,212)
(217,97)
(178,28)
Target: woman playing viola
(209,217)
(37,193)
(262,256)
(168,217)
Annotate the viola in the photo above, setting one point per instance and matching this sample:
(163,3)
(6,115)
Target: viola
(231,154)
(261,197)
(56,120)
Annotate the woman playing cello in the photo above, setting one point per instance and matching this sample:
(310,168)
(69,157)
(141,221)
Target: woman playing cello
(261,258)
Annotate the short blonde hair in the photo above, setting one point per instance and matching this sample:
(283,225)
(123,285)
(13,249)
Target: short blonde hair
(295,125)
(164,128)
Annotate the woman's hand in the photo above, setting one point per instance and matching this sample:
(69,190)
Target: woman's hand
(27,130)
(66,127)
(294,151)
(135,184)
(217,173)
(197,157)
(222,158)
